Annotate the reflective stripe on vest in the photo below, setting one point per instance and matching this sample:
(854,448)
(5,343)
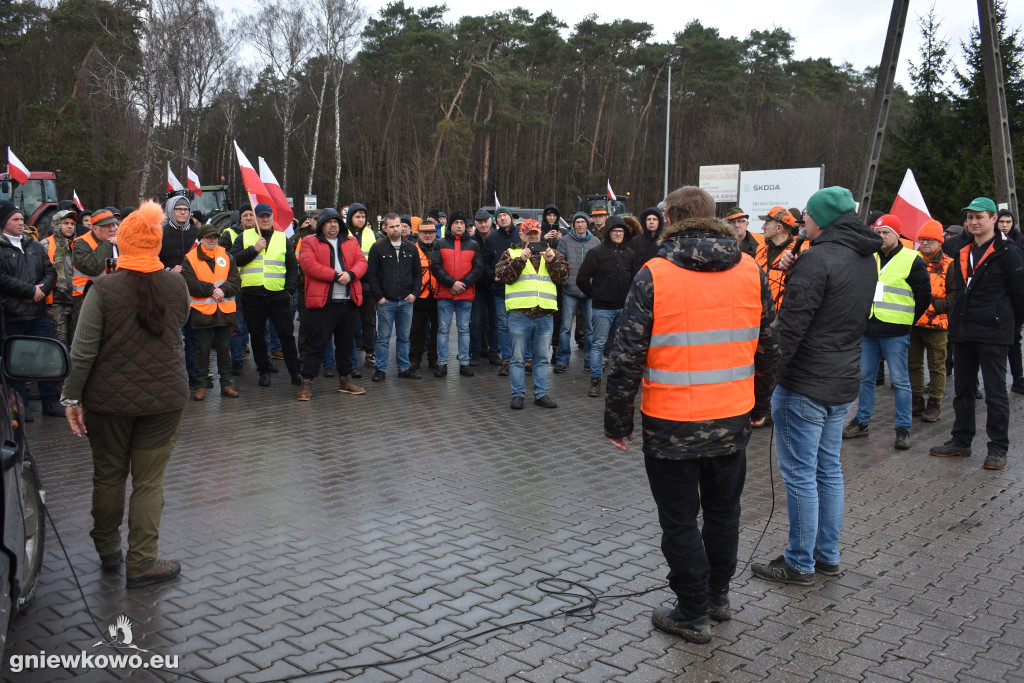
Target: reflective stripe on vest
(79,280)
(218,276)
(268,268)
(937,271)
(51,251)
(897,303)
(533,289)
(700,364)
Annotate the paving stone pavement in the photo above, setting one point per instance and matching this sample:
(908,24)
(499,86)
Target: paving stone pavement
(356,530)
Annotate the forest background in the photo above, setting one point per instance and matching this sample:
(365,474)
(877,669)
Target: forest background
(404,110)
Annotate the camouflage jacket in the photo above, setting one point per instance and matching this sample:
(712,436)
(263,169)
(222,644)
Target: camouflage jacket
(508,269)
(699,244)
(62,291)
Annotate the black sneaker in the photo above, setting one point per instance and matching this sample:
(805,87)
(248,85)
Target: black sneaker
(297,379)
(236,368)
(466,371)
(902,438)
(442,370)
(264,379)
(1018,385)
(111,562)
(855,429)
(995,460)
(559,368)
(779,571)
(517,403)
(826,568)
(474,361)
(671,621)
(951,449)
(503,372)
(379,376)
(410,374)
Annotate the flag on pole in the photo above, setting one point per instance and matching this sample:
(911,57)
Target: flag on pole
(497,204)
(251,179)
(611,195)
(15,168)
(283,213)
(193,182)
(173,184)
(78,202)
(909,207)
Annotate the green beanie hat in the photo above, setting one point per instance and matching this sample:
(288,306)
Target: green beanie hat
(502,209)
(828,204)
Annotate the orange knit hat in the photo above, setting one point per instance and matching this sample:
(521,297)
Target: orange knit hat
(931,230)
(141,233)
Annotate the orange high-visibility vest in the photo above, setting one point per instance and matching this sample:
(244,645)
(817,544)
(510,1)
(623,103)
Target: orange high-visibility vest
(218,276)
(428,286)
(776,277)
(51,251)
(80,280)
(937,272)
(700,365)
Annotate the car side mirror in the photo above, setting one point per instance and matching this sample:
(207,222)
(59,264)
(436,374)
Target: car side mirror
(35,358)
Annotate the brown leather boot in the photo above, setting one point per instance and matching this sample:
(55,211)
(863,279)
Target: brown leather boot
(305,390)
(917,405)
(199,394)
(346,386)
(932,412)
(595,387)
(230,392)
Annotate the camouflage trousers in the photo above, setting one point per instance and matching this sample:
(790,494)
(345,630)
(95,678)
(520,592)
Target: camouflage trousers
(60,316)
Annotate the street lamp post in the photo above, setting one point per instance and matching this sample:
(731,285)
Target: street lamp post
(671,56)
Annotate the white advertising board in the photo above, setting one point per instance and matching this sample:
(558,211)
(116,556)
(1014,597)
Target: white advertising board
(720,181)
(761,190)
(309,202)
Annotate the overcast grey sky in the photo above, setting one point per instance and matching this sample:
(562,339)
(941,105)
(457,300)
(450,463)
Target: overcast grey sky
(838,29)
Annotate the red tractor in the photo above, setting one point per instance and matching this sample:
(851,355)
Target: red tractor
(37,198)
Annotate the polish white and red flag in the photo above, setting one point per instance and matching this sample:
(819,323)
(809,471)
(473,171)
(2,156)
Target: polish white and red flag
(76,200)
(611,195)
(497,204)
(15,168)
(283,213)
(173,184)
(193,182)
(254,187)
(909,207)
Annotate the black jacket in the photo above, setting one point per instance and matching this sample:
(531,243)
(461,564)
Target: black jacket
(991,309)
(645,245)
(823,315)
(607,273)
(392,275)
(494,246)
(244,255)
(920,284)
(700,244)
(20,273)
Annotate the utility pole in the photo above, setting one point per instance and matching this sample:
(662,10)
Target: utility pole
(998,120)
(880,103)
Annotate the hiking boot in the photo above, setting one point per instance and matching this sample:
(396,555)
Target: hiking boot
(902,438)
(1018,385)
(995,460)
(696,630)
(410,373)
(264,379)
(466,371)
(951,449)
(297,379)
(279,355)
(917,406)
(163,570)
(442,370)
(230,392)
(494,360)
(355,374)
(199,394)
(826,568)
(595,387)
(517,403)
(329,372)
(111,562)
(503,372)
(378,376)
(560,368)
(369,361)
(306,391)
(345,386)
(545,402)
(474,361)
(779,571)
(718,606)
(932,412)
(855,429)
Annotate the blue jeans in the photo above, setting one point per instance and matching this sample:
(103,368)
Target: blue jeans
(504,338)
(463,311)
(396,314)
(569,306)
(522,329)
(808,436)
(896,351)
(604,323)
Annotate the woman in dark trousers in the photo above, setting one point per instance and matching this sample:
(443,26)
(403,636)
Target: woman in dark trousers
(127,390)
